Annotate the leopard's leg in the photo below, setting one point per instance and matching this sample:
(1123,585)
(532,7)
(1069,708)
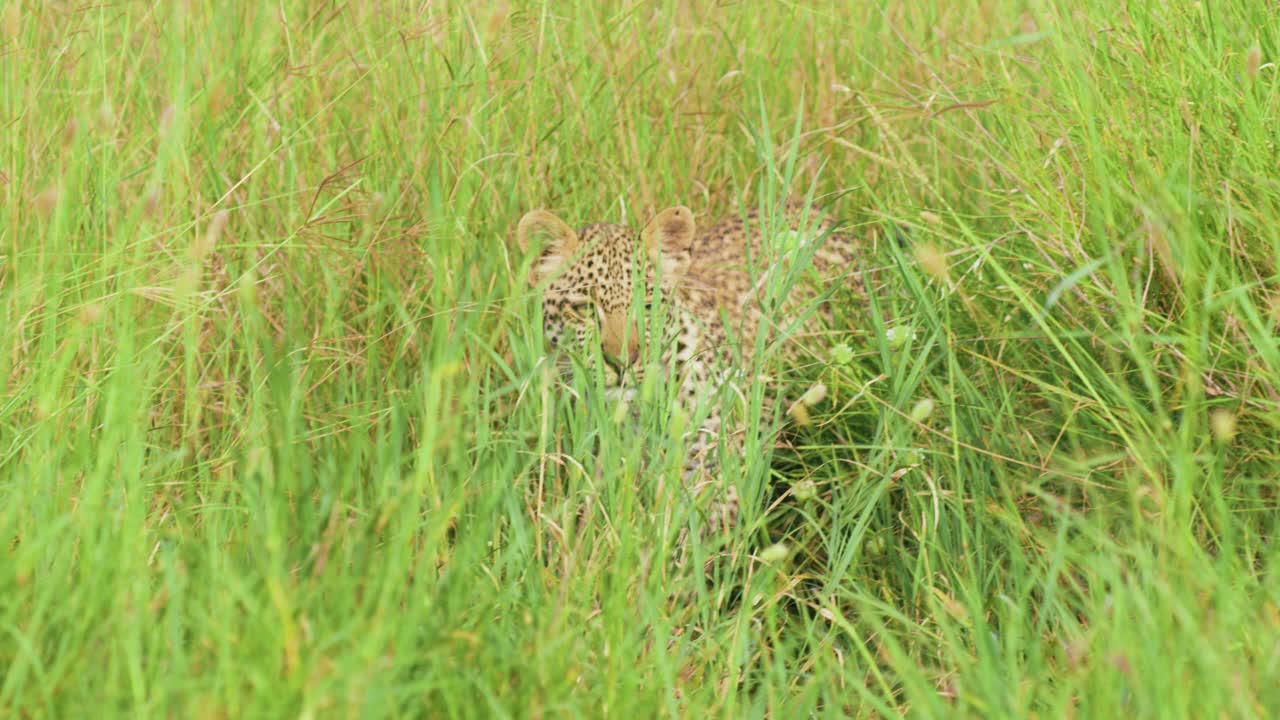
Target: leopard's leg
(703,476)
(714,497)
(715,501)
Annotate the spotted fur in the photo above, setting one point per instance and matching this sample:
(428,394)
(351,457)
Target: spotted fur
(713,284)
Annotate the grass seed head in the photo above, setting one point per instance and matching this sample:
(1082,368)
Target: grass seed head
(13,20)
(841,354)
(69,132)
(800,415)
(47,200)
(804,491)
(1253,62)
(165,122)
(204,245)
(105,119)
(931,260)
(775,553)
(814,395)
(899,335)
(248,289)
(1222,422)
(922,410)
(151,202)
(90,314)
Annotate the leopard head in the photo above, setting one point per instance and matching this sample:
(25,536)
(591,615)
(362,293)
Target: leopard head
(589,277)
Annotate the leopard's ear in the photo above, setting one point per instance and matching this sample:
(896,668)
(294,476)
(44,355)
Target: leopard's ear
(547,233)
(669,233)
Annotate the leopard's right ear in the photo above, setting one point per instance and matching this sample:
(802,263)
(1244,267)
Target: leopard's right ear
(668,238)
(546,233)
(669,232)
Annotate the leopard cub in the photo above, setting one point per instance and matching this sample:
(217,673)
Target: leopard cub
(712,283)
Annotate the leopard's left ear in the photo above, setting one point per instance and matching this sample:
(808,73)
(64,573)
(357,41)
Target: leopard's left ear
(670,233)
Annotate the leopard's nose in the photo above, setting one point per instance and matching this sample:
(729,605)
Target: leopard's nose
(620,339)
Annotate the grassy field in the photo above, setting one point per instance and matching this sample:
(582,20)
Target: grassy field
(277,438)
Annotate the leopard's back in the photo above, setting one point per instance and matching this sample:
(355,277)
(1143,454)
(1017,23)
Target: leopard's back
(731,263)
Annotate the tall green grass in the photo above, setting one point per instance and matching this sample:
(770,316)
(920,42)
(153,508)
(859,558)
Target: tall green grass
(277,437)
